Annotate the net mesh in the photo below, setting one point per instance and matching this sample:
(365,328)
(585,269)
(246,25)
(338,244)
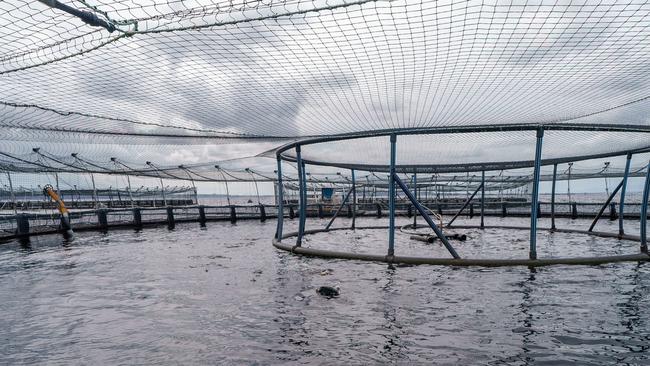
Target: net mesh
(174,79)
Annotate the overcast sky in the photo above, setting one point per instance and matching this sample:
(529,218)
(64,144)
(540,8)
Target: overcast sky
(274,70)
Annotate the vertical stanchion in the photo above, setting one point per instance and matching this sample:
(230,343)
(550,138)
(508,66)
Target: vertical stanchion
(275,192)
(482,198)
(95,198)
(621,212)
(171,223)
(553,197)
(225,181)
(102,219)
(56,178)
(13,194)
(137,217)
(233,214)
(568,182)
(202,218)
(162,191)
(391,198)
(262,212)
(301,190)
(22,225)
(535,198)
(196,195)
(278,232)
(257,190)
(644,212)
(354,201)
(415,194)
(128,181)
(162,185)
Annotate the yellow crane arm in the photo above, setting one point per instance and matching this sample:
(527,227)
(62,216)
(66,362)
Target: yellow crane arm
(49,190)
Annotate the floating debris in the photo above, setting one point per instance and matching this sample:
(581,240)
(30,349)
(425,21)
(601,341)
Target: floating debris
(432,238)
(328,291)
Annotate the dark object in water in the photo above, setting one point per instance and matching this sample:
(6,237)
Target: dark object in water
(328,291)
(431,238)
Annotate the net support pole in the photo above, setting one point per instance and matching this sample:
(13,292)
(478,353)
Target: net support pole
(391,197)
(354,200)
(196,195)
(95,198)
(257,190)
(13,194)
(553,196)
(644,212)
(302,194)
(426,217)
(275,193)
(225,181)
(467,201)
(534,202)
(56,178)
(604,206)
(415,195)
(128,182)
(340,208)
(621,212)
(278,234)
(482,198)
(162,191)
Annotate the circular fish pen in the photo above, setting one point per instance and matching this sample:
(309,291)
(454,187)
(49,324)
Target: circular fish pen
(463,149)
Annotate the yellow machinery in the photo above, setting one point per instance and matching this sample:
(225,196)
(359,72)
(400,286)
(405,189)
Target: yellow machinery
(65,217)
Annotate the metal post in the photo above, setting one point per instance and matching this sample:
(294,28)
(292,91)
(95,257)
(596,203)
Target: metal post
(391,197)
(482,198)
(278,234)
(22,225)
(196,196)
(305,194)
(553,197)
(162,190)
(56,177)
(137,217)
(233,214)
(202,218)
(95,198)
(415,195)
(128,181)
(171,223)
(354,201)
(644,212)
(568,183)
(13,195)
(621,213)
(257,191)
(102,219)
(301,189)
(535,199)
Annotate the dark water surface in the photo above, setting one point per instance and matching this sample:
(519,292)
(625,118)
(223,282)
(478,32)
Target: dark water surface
(224,295)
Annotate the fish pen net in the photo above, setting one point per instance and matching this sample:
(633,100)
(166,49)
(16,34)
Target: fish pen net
(124,107)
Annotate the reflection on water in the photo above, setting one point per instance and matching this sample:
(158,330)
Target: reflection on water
(224,295)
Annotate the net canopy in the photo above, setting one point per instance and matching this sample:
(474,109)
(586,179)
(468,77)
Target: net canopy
(263,169)
(202,81)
